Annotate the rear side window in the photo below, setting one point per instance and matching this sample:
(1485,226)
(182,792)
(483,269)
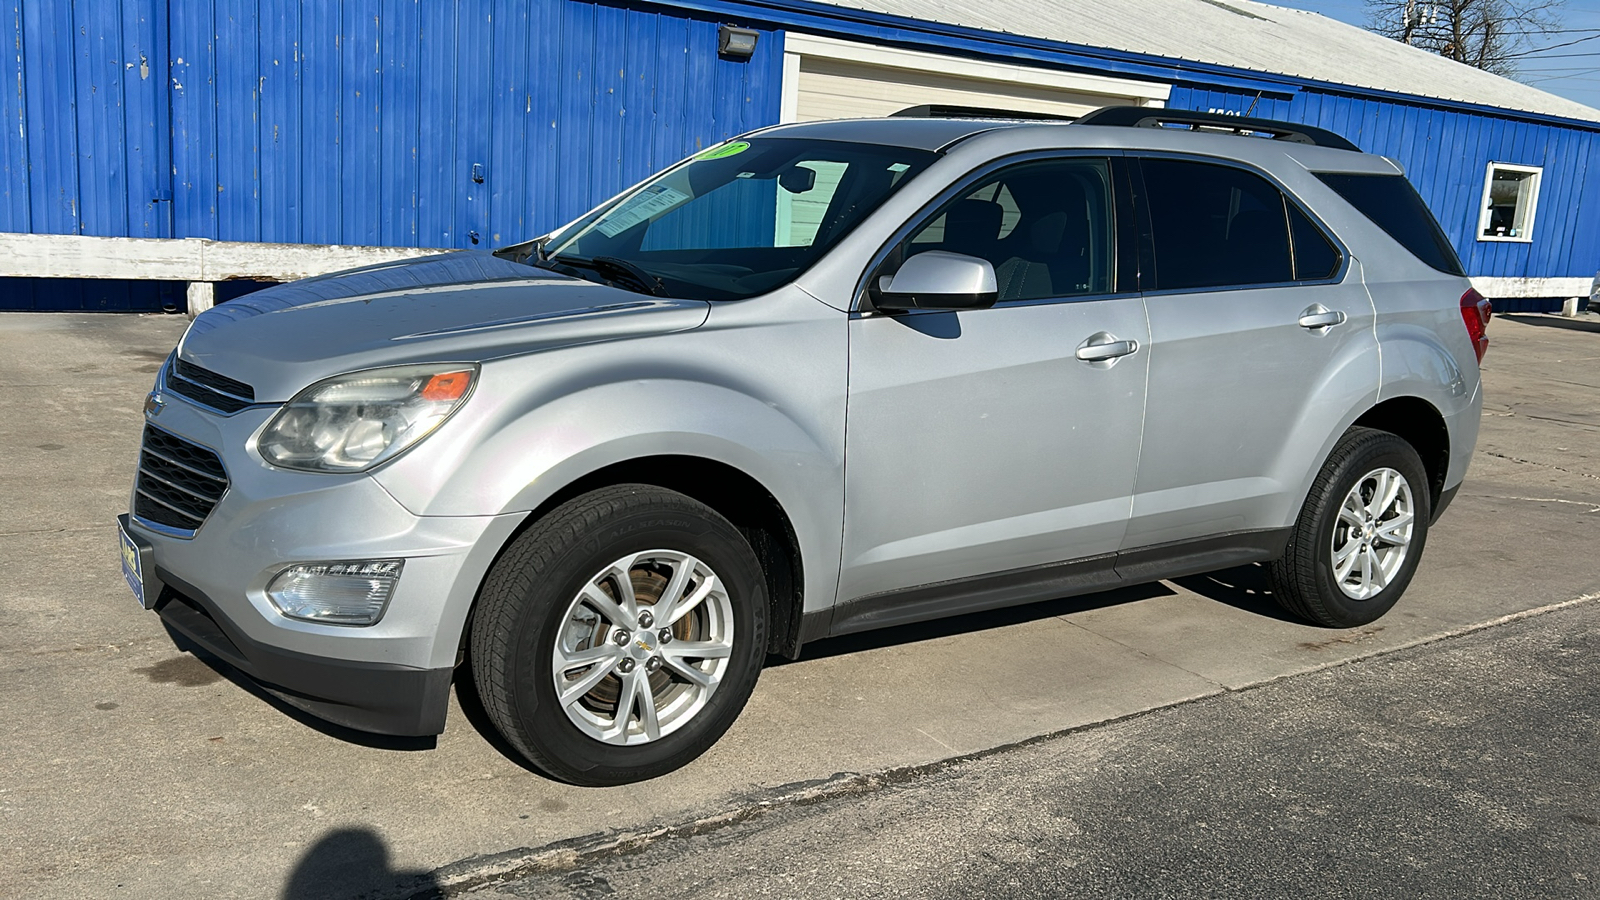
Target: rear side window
(1215,226)
(1315,257)
(1394,205)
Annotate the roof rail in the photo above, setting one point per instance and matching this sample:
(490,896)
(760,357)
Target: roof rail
(1148,117)
(944,111)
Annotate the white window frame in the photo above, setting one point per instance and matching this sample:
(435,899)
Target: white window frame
(1526,237)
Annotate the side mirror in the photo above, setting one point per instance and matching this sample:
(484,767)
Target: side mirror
(939,279)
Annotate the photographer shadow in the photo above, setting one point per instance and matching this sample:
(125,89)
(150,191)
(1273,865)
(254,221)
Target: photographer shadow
(354,862)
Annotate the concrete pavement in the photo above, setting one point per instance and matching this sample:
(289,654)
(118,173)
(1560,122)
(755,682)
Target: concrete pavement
(1460,768)
(129,769)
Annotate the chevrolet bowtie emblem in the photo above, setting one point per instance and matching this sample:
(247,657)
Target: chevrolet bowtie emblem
(153,404)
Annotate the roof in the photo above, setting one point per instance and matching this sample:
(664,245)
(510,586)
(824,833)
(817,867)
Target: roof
(918,134)
(1240,34)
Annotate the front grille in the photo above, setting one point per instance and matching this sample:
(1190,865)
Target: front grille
(204,386)
(179,482)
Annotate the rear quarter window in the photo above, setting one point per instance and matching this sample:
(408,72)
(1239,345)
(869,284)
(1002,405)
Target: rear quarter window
(1394,205)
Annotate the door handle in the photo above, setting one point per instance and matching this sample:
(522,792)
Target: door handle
(1101,347)
(1318,316)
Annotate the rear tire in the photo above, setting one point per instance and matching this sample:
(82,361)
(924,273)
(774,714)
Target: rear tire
(619,636)
(1357,541)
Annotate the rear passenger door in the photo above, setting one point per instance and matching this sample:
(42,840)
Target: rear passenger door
(1261,341)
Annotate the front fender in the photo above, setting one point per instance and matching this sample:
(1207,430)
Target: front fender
(762,389)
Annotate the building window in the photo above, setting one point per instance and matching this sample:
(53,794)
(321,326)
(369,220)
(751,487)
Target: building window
(1510,198)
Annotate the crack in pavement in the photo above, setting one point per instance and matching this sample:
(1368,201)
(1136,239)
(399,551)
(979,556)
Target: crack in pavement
(460,877)
(1531,462)
(66,530)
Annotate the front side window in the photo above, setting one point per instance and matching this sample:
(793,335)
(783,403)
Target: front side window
(737,220)
(1510,198)
(1046,227)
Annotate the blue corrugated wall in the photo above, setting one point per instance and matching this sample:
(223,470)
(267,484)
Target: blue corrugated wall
(355,122)
(320,121)
(84,117)
(1447,154)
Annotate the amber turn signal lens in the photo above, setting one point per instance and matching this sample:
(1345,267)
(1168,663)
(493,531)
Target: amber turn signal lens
(446,386)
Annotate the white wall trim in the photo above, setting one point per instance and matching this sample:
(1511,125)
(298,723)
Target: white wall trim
(1141,93)
(185,259)
(789,105)
(1496,287)
(198,261)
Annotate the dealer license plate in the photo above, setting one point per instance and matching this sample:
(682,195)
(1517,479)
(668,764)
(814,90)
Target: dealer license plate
(131,569)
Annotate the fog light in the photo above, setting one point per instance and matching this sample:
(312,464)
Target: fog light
(347,593)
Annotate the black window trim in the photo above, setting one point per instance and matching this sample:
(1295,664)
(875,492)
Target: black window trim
(1460,269)
(1124,287)
(1146,235)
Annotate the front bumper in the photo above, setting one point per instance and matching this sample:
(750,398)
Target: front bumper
(391,677)
(376,697)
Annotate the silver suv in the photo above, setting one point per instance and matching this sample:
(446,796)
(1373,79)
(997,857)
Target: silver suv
(819,379)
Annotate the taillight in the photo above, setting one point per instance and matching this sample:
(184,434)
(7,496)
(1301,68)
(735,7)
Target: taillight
(1475,311)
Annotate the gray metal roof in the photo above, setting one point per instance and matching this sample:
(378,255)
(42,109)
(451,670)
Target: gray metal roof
(1241,34)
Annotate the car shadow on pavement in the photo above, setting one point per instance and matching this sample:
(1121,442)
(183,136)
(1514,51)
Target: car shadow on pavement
(354,862)
(276,701)
(466,688)
(972,622)
(1590,324)
(1243,587)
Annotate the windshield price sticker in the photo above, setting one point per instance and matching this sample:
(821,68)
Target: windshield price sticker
(733,148)
(648,203)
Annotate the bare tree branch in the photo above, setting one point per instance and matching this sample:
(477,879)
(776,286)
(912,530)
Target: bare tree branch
(1488,34)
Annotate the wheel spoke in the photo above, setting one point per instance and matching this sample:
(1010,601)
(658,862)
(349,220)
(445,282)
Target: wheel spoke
(1352,513)
(1344,553)
(1346,562)
(676,659)
(617,733)
(605,606)
(603,658)
(1389,485)
(1396,531)
(625,595)
(672,595)
(709,585)
(1373,569)
(647,706)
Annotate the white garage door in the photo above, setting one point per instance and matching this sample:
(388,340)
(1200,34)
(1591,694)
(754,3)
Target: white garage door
(826,78)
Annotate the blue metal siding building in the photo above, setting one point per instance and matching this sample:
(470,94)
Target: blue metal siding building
(428,124)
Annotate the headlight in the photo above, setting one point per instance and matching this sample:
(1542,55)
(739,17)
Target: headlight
(353,422)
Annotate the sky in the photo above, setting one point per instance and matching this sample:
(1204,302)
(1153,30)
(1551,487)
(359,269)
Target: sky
(1571,71)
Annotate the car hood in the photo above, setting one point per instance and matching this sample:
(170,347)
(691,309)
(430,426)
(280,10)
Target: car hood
(456,307)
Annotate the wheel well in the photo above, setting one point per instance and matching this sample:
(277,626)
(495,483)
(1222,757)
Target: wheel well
(738,498)
(1420,425)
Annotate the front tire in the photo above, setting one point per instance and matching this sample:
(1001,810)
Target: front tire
(1357,541)
(619,636)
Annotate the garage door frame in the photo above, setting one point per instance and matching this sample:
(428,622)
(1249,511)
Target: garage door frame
(798,46)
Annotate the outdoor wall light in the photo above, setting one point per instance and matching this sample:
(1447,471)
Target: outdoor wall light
(736,43)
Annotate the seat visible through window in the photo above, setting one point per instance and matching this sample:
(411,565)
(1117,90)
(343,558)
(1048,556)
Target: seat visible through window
(1059,240)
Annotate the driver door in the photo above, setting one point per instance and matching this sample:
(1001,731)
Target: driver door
(981,451)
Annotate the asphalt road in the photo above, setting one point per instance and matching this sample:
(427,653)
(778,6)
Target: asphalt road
(1462,768)
(128,769)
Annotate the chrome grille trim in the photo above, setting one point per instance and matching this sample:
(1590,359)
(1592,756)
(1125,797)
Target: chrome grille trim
(207,388)
(168,459)
(178,485)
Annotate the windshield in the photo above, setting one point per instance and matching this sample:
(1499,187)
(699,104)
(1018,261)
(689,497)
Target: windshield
(737,220)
